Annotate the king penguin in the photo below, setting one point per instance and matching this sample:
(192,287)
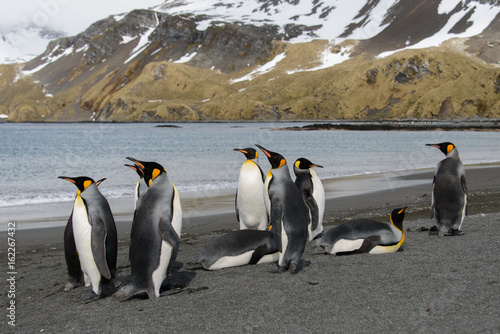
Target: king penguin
(363,236)
(95,237)
(289,214)
(238,248)
(140,186)
(313,194)
(155,233)
(249,202)
(449,192)
(75,274)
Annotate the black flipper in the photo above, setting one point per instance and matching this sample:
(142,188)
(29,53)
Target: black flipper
(98,243)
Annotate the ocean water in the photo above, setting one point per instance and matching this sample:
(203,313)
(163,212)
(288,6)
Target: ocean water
(200,157)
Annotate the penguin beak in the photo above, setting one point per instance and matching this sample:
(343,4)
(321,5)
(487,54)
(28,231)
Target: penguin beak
(433,145)
(136,161)
(314,165)
(98,182)
(67,179)
(240,150)
(264,150)
(137,168)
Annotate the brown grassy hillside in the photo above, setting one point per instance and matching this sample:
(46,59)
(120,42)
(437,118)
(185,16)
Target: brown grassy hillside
(431,83)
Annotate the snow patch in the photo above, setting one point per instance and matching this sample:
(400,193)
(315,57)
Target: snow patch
(446,6)
(143,42)
(328,59)
(483,15)
(186,58)
(267,67)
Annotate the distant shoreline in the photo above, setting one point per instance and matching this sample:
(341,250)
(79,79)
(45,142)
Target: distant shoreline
(485,124)
(407,125)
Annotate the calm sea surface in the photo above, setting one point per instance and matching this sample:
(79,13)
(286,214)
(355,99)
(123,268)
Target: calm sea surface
(200,157)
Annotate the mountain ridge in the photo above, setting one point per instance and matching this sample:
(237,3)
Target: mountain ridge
(169,64)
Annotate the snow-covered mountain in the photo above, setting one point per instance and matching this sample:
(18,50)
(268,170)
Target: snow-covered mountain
(23,44)
(104,68)
(429,23)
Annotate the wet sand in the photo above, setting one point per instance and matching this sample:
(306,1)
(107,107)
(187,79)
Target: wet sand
(432,285)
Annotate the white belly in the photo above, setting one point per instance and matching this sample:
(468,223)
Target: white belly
(161,272)
(284,245)
(269,258)
(82,232)
(232,261)
(345,245)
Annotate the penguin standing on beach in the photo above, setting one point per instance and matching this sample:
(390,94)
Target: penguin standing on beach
(238,248)
(249,202)
(75,273)
(449,192)
(141,185)
(289,216)
(363,236)
(95,237)
(313,194)
(155,233)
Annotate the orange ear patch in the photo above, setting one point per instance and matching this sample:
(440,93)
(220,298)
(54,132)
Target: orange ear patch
(86,184)
(155,173)
(449,149)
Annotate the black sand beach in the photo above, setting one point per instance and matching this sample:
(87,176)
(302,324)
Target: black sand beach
(431,286)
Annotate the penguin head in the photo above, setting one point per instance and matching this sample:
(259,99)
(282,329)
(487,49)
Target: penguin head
(397,217)
(81,182)
(250,153)
(303,163)
(275,159)
(150,169)
(138,169)
(445,147)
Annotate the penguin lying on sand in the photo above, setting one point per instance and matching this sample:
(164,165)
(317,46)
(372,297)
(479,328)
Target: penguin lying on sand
(237,248)
(95,238)
(363,236)
(155,233)
(449,192)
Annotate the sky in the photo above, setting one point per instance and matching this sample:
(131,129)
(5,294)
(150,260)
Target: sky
(70,16)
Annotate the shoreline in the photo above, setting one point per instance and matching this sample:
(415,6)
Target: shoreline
(347,197)
(432,285)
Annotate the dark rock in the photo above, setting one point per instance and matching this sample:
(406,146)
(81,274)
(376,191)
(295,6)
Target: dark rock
(446,109)
(371,76)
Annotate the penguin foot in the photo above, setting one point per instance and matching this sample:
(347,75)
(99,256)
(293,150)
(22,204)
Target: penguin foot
(117,284)
(278,270)
(90,297)
(457,232)
(71,285)
(126,292)
(433,230)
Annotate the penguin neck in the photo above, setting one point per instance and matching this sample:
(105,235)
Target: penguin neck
(298,171)
(160,179)
(398,225)
(281,172)
(453,154)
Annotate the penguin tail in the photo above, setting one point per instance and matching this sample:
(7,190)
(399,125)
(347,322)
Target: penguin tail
(194,265)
